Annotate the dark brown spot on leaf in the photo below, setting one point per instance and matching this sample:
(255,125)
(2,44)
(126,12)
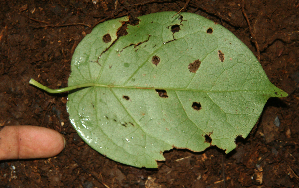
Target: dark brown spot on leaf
(221,55)
(107,38)
(210,30)
(175,28)
(122,31)
(162,93)
(181,18)
(124,124)
(193,67)
(208,139)
(126,97)
(156,60)
(196,105)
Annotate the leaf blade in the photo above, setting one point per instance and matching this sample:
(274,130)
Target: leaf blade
(145,98)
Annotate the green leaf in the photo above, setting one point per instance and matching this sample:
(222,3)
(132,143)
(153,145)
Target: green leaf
(166,81)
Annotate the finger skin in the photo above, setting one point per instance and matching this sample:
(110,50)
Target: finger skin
(25,142)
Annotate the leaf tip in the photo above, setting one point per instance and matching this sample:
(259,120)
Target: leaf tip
(281,93)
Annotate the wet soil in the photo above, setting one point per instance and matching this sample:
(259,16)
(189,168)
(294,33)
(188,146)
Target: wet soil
(38,38)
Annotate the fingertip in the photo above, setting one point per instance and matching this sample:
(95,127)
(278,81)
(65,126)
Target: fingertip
(24,142)
(39,142)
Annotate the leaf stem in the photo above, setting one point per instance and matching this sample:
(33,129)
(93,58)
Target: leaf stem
(61,90)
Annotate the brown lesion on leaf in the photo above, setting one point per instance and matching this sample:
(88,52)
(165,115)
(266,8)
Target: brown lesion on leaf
(175,28)
(124,124)
(221,55)
(126,97)
(162,93)
(135,45)
(107,38)
(193,67)
(155,60)
(208,138)
(122,31)
(210,30)
(196,106)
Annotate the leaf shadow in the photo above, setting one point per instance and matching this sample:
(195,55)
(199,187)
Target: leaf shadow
(276,102)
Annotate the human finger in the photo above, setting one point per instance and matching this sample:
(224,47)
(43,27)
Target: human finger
(25,142)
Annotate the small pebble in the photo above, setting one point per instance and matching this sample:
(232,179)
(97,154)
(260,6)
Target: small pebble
(276,121)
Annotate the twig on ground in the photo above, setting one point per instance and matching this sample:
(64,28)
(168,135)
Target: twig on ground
(115,12)
(252,32)
(62,25)
(185,6)
(92,174)
(38,20)
(286,37)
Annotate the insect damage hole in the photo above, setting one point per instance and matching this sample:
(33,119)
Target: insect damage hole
(210,30)
(133,20)
(221,55)
(122,31)
(193,67)
(126,97)
(240,140)
(196,105)
(162,93)
(208,139)
(175,28)
(155,60)
(107,38)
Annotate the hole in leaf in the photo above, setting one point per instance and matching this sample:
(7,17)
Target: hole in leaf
(107,38)
(122,31)
(175,28)
(126,97)
(133,20)
(196,106)
(240,140)
(193,67)
(156,60)
(162,93)
(221,55)
(210,30)
(208,139)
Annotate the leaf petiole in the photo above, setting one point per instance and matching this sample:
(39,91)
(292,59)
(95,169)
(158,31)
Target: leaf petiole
(61,90)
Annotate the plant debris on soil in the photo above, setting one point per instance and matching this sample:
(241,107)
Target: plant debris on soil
(38,39)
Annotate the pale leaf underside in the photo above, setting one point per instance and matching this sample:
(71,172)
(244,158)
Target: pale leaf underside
(169,81)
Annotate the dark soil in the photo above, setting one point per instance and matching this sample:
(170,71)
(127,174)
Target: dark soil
(38,39)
